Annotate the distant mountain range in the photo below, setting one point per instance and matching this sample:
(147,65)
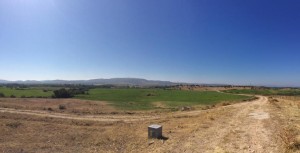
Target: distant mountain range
(113,81)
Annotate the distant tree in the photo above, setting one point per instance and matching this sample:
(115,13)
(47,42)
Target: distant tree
(62,93)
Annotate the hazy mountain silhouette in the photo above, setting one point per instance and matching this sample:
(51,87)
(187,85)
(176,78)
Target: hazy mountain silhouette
(113,81)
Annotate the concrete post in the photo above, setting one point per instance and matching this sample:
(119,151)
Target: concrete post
(155,131)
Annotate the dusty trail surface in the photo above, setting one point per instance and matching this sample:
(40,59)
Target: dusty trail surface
(243,127)
(101,118)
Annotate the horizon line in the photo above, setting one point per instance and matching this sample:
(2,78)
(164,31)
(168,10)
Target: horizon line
(179,82)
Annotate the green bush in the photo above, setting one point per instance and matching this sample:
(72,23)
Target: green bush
(69,93)
(2,95)
(62,93)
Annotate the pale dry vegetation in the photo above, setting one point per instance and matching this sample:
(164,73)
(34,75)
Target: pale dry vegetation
(287,113)
(71,106)
(222,127)
(34,133)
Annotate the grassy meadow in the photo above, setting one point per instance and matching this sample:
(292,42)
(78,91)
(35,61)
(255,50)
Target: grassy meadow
(144,98)
(25,92)
(266,92)
(134,99)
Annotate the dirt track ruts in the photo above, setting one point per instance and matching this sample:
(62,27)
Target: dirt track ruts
(246,128)
(104,118)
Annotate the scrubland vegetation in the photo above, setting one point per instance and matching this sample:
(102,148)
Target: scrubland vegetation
(267,91)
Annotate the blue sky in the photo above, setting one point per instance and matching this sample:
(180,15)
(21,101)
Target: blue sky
(253,42)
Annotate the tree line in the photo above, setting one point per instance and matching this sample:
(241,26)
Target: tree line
(69,93)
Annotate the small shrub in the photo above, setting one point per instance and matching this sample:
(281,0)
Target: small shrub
(186,108)
(62,107)
(296,143)
(12,96)
(50,109)
(150,94)
(88,124)
(2,95)
(225,104)
(14,124)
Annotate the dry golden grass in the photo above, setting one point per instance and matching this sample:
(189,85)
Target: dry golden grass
(29,133)
(287,112)
(73,106)
(203,129)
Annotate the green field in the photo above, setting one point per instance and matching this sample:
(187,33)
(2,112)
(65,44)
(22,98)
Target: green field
(137,99)
(266,92)
(25,92)
(134,99)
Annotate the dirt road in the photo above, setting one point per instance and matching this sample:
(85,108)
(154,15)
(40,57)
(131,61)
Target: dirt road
(100,118)
(246,127)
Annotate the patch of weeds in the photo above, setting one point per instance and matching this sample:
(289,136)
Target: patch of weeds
(295,143)
(150,94)
(2,95)
(129,113)
(206,107)
(275,103)
(14,125)
(88,124)
(186,108)
(290,138)
(62,107)
(225,104)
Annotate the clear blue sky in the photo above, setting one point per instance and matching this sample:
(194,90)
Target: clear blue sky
(204,41)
